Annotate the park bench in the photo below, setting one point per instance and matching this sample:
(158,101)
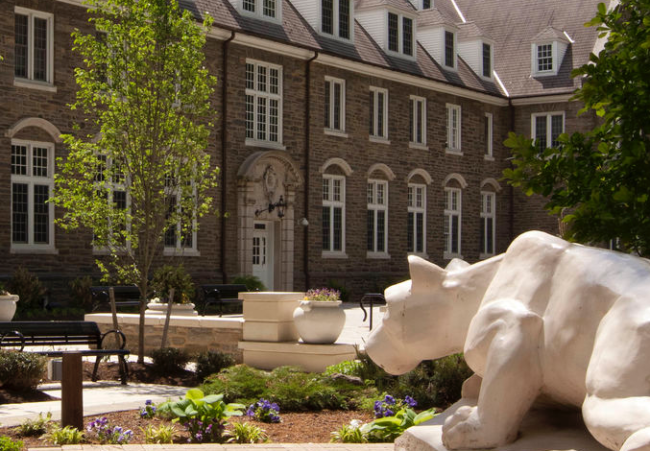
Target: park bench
(221,295)
(125,296)
(371,298)
(57,334)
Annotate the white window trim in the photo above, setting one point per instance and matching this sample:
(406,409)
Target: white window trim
(375,137)
(259,11)
(448,214)
(30,181)
(400,35)
(336,19)
(29,82)
(423,122)
(332,204)
(492,216)
(454,134)
(179,249)
(443,64)
(534,59)
(549,132)
(375,207)
(258,94)
(411,208)
(331,130)
(489,144)
(481,64)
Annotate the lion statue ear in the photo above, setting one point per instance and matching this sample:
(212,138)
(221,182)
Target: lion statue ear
(425,276)
(456,264)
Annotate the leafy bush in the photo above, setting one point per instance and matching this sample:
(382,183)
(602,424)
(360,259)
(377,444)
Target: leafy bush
(28,287)
(64,436)
(80,293)
(169,360)
(246,433)
(203,416)
(32,428)
(167,277)
(239,383)
(347,367)
(253,283)
(160,435)
(7,444)
(212,362)
(21,370)
(350,433)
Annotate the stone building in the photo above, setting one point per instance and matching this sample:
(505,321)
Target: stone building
(349,133)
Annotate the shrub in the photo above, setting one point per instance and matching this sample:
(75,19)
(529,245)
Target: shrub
(21,370)
(246,433)
(64,436)
(27,286)
(253,283)
(169,360)
(80,293)
(239,383)
(7,444)
(349,433)
(167,277)
(32,428)
(347,367)
(163,434)
(212,362)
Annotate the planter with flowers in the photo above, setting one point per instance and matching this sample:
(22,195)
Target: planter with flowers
(319,318)
(164,279)
(7,304)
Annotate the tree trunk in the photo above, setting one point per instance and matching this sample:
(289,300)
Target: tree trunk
(143,306)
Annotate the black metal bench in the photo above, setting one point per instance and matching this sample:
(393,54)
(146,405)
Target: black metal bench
(221,295)
(125,296)
(371,298)
(21,334)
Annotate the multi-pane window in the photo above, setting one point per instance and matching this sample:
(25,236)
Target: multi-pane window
(334,104)
(400,34)
(378,113)
(547,128)
(377,215)
(179,236)
(452,221)
(426,4)
(263,102)
(487,60)
(488,204)
(32,181)
(333,213)
(267,9)
(112,186)
(450,49)
(417,212)
(488,135)
(336,18)
(33,45)
(418,120)
(544,57)
(453,128)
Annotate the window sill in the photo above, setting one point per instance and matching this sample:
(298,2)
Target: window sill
(379,140)
(108,251)
(378,255)
(488,157)
(33,249)
(418,146)
(333,254)
(265,144)
(183,252)
(41,86)
(458,153)
(449,256)
(331,132)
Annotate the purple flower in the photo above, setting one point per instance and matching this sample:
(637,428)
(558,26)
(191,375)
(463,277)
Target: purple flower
(410,401)
(388,413)
(389,400)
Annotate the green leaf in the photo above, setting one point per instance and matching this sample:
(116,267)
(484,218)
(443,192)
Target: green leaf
(194,393)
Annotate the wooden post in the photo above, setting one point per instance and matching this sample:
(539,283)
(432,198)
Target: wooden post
(169,314)
(72,411)
(111,297)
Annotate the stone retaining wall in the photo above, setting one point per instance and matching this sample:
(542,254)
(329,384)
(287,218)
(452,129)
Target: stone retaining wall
(193,334)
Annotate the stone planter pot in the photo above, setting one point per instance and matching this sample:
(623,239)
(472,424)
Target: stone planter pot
(160,308)
(319,322)
(8,306)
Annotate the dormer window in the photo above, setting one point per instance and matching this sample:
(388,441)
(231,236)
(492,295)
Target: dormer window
(262,9)
(400,34)
(426,4)
(336,18)
(450,49)
(547,51)
(487,60)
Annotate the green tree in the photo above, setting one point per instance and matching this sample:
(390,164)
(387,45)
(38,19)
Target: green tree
(139,173)
(602,178)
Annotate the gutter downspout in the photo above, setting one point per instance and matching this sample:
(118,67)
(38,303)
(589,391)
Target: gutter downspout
(305,251)
(224,166)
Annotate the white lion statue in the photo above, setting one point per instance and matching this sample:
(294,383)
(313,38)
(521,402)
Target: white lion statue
(548,318)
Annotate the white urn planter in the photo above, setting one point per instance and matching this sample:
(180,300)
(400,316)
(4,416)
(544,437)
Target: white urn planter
(319,322)
(8,306)
(160,308)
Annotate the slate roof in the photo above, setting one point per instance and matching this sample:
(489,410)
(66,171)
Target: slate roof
(511,24)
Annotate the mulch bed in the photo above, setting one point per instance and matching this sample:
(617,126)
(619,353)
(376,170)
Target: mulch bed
(309,427)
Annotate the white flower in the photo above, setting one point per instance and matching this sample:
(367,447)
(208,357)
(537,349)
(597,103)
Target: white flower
(355,423)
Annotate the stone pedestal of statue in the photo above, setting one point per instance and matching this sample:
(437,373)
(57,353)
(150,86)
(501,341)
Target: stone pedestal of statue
(541,430)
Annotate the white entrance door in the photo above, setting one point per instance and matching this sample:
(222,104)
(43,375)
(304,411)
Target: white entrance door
(263,253)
